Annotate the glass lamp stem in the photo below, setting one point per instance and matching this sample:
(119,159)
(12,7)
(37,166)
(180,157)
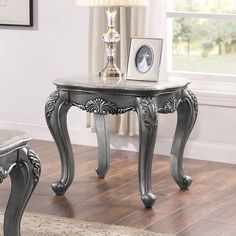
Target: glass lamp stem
(111,38)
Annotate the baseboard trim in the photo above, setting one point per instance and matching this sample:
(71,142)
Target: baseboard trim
(209,151)
(219,152)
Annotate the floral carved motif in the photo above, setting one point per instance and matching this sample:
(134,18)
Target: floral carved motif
(50,105)
(100,106)
(149,111)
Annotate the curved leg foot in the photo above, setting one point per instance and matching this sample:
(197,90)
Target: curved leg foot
(56,110)
(24,178)
(187,115)
(103,145)
(148,120)
(148,200)
(59,188)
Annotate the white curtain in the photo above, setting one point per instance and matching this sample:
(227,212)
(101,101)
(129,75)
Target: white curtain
(143,22)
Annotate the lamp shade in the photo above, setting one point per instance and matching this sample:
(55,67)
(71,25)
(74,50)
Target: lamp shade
(103,3)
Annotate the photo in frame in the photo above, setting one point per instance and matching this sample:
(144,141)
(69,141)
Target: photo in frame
(144,59)
(16,12)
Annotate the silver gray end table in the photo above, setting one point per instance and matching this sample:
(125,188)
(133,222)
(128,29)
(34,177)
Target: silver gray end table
(24,168)
(103,97)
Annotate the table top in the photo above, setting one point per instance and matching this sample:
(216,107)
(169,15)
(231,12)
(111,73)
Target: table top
(95,83)
(10,140)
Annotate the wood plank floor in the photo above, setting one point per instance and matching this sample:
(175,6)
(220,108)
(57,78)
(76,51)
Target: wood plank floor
(208,208)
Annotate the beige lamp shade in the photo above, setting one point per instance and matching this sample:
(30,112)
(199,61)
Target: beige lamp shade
(104,3)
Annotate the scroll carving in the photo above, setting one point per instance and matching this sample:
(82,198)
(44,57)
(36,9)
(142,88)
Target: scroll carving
(50,105)
(122,111)
(3,174)
(193,98)
(170,106)
(35,163)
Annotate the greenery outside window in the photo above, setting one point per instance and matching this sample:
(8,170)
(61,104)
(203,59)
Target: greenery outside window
(202,37)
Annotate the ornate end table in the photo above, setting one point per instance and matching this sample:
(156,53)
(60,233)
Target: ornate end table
(100,97)
(24,168)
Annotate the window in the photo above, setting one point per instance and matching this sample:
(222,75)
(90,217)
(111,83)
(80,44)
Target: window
(202,36)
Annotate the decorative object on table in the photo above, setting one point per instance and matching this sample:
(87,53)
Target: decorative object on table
(144,59)
(16,12)
(112,37)
(34,224)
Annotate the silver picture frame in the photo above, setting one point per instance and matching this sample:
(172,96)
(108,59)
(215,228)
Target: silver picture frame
(16,13)
(144,59)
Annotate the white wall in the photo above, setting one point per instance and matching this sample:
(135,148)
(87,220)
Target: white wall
(31,59)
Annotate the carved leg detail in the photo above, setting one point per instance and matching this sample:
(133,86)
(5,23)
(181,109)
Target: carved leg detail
(187,115)
(24,177)
(56,111)
(103,145)
(148,121)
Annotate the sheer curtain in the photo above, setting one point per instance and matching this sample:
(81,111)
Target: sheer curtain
(143,22)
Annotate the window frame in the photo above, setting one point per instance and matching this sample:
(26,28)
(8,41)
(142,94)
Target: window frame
(194,76)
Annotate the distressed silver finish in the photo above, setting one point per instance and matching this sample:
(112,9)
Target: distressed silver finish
(24,168)
(103,98)
(187,115)
(56,110)
(148,120)
(103,145)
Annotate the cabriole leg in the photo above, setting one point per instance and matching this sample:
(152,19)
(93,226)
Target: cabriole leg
(148,121)
(103,145)
(187,115)
(56,110)
(24,177)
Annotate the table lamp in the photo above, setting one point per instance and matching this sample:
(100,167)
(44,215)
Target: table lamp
(111,37)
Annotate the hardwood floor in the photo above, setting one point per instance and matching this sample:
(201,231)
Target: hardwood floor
(208,208)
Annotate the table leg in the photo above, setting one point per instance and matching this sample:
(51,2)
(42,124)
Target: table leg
(187,114)
(24,177)
(148,121)
(56,111)
(103,145)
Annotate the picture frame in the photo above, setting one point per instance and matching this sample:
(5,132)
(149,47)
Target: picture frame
(144,59)
(16,13)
